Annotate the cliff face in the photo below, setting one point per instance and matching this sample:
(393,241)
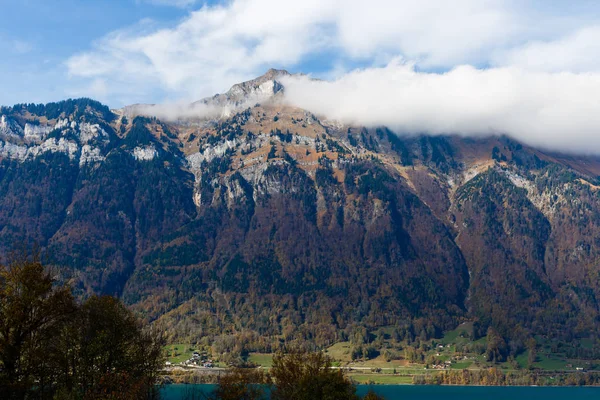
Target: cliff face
(272,218)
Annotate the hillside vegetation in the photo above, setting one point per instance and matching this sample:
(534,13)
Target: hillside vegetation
(272,227)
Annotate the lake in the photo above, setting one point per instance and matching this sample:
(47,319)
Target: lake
(404,392)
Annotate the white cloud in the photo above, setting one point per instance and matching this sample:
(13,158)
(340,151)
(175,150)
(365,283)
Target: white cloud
(177,110)
(435,32)
(558,111)
(541,81)
(217,46)
(578,52)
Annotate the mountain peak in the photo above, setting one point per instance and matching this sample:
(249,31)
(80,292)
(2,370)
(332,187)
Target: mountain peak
(273,73)
(245,93)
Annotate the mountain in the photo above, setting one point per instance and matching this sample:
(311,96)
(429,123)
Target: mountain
(271,221)
(251,92)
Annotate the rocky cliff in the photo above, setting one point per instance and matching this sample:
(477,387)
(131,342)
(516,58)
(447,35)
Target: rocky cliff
(273,220)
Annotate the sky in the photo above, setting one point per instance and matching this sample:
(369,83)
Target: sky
(500,66)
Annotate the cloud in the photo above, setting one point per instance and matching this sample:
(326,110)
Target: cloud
(576,52)
(178,111)
(219,45)
(523,68)
(558,111)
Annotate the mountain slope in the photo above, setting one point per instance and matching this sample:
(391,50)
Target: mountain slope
(278,222)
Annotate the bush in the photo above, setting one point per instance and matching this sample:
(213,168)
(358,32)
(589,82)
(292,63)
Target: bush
(294,376)
(242,384)
(308,376)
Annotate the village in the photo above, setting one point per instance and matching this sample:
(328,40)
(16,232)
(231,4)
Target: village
(197,359)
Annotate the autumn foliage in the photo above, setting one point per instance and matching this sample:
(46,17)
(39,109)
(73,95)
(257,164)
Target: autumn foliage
(53,347)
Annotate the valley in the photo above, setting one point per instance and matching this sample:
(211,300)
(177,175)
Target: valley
(400,363)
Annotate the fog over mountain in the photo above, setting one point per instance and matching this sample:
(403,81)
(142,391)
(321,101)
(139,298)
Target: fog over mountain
(527,69)
(556,111)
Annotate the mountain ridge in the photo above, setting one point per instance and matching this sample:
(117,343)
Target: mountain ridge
(272,218)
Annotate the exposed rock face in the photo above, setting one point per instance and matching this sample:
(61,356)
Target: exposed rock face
(271,217)
(251,92)
(9,128)
(145,153)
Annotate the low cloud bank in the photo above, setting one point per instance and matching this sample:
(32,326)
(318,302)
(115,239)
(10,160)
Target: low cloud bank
(557,111)
(173,112)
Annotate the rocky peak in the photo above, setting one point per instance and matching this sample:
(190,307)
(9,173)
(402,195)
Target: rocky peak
(266,82)
(253,91)
(239,96)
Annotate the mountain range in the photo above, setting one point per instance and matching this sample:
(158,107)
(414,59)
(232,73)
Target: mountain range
(267,219)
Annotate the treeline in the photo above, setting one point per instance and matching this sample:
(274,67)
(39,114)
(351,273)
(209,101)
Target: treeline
(52,347)
(79,107)
(495,377)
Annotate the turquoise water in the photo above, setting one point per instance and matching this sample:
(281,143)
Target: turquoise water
(407,392)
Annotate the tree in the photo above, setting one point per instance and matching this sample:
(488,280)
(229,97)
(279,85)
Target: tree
(32,310)
(496,346)
(52,347)
(308,376)
(294,376)
(532,356)
(371,395)
(242,384)
(116,353)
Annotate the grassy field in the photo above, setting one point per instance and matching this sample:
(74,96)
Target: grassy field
(459,335)
(380,379)
(341,351)
(461,365)
(264,360)
(551,363)
(178,352)
(544,361)
(379,362)
(587,343)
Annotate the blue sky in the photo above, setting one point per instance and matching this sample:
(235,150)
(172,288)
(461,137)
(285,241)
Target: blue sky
(38,36)
(130,51)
